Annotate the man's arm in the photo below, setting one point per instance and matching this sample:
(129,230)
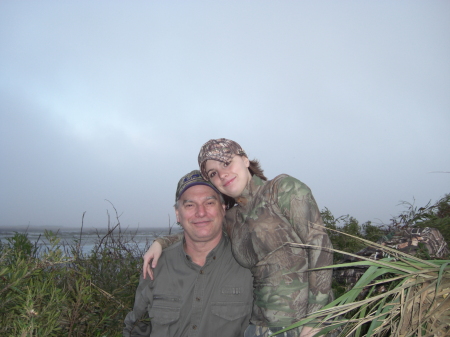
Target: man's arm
(137,322)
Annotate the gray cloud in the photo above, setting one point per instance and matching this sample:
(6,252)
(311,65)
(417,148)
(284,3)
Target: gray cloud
(114,101)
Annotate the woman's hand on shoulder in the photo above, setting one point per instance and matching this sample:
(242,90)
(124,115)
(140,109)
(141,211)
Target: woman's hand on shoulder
(151,256)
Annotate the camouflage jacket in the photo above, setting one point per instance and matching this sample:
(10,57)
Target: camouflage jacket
(267,217)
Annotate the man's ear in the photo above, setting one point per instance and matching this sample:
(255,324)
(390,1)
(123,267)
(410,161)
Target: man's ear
(177,215)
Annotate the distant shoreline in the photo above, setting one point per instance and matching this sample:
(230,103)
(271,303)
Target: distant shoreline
(30,228)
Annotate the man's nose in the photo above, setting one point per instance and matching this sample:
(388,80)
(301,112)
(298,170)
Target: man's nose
(201,211)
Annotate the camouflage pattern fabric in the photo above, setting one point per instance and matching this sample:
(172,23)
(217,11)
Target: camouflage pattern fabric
(268,217)
(263,331)
(169,240)
(221,149)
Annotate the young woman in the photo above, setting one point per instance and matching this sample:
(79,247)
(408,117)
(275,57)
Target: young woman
(266,217)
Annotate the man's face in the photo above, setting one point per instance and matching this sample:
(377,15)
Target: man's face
(200,213)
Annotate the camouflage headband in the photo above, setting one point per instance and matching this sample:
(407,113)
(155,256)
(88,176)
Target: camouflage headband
(221,149)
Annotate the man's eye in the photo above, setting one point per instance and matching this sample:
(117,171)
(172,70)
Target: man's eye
(188,205)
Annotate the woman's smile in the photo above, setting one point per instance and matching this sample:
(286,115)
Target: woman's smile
(228,182)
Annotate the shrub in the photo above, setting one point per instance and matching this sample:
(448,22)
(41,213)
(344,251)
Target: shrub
(45,293)
(347,224)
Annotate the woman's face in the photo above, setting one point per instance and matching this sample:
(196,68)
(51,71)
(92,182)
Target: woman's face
(229,179)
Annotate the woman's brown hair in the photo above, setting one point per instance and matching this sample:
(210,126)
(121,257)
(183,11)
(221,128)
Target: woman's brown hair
(255,169)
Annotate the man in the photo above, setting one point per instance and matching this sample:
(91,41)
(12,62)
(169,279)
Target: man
(198,289)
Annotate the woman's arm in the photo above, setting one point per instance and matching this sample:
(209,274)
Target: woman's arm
(154,252)
(297,203)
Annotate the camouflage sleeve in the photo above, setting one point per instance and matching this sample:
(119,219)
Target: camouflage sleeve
(297,204)
(168,240)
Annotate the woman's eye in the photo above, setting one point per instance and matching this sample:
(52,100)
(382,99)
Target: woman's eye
(226,164)
(212,174)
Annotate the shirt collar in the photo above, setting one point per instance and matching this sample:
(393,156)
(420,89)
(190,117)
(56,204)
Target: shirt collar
(213,256)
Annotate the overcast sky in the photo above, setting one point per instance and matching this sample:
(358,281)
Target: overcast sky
(113,100)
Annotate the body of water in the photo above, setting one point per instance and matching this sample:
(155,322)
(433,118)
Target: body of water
(137,238)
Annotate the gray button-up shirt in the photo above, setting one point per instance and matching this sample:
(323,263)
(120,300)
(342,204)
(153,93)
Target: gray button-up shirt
(188,300)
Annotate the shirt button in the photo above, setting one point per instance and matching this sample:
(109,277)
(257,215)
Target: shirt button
(197,299)
(201,272)
(194,327)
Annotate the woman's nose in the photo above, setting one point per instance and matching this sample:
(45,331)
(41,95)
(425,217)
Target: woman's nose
(222,174)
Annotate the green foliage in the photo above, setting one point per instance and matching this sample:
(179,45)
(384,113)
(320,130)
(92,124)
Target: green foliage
(348,225)
(403,296)
(45,293)
(20,247)
(435,216)
(406,296)
(431,215)
(371,232)
(29,298)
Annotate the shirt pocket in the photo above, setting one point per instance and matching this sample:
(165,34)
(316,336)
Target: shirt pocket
(230,311)
(165,310)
